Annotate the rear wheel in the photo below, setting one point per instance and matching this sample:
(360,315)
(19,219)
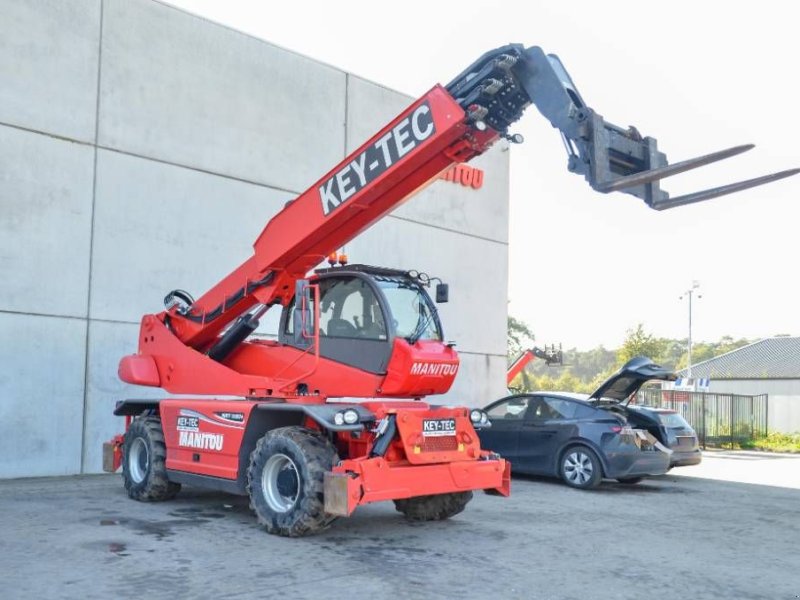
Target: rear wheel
(580,468)
(433,508)
(630,480)
(285,481)
(144,462)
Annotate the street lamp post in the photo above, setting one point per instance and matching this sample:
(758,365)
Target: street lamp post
(690,293)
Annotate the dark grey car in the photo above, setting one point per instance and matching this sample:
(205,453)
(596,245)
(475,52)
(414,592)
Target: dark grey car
(565,435)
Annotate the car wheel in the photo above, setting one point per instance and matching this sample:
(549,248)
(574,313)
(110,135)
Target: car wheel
(630,480)
(580,468)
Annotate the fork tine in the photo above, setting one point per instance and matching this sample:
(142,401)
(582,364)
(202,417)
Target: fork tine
(722,190)
(668,170)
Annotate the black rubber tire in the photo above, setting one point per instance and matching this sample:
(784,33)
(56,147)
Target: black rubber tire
(596,475)
(312,455)
(151,485)
(630,480)
(433,508)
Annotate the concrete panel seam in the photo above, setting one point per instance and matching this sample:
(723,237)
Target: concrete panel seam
(482,354)
(38,314)
(55,136)
(231,177)
(144,157)
(456,231)
(113,321)
(346,108)
(384,87)
(198,169)
(91,240)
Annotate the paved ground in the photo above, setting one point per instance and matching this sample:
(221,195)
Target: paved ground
(759,468)
(676,537)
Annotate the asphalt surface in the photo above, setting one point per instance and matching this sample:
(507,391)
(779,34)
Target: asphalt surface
(678,536)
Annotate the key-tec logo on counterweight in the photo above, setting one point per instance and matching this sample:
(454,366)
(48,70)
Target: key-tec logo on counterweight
(377,158)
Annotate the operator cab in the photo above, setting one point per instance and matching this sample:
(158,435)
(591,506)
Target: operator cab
(362,310)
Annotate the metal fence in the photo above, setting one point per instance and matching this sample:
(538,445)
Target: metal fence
(718,419)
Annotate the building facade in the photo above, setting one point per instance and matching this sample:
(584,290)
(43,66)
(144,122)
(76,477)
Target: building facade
(143,149)
(770,366)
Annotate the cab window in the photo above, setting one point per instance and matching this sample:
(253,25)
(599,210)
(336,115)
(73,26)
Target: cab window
(348,308)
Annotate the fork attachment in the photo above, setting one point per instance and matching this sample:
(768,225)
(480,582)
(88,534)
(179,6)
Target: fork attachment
(497,87)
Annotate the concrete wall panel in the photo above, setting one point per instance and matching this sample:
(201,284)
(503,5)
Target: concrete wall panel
(45,223)
(159,227)
(41,395)
(475,317)
(179,88)
(108,342)
(480,380)
(784,414)
(48,64)
(481,212)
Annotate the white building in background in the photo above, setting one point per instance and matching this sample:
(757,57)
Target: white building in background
(142,149)
(770,366)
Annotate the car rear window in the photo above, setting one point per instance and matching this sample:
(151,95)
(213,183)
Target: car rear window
(671,419)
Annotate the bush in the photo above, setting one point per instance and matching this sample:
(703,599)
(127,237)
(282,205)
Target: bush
(775,442)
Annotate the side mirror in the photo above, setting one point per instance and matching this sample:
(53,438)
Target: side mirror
(442,293)
(303,318)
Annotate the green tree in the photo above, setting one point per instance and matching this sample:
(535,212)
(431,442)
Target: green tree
(567,382)
(640,343)
(520,337)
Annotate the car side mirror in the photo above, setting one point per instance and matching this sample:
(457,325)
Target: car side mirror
(442,293)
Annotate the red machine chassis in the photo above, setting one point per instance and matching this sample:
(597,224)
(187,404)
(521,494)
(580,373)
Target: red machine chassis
(209,442)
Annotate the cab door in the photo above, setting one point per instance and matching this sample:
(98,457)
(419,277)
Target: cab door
(352,325)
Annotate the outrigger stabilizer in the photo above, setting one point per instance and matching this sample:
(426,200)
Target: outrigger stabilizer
(611,158)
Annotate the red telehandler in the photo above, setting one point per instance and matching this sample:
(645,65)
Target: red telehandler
(353,331)
(550,356)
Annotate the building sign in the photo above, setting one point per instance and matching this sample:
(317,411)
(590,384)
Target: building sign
(465,175)
(688,384)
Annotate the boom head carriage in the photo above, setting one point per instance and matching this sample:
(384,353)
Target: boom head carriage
(495,90)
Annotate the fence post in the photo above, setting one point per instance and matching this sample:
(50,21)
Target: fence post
(704,420)
(731,425)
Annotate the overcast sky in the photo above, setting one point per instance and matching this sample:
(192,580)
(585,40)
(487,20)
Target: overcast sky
(698,76)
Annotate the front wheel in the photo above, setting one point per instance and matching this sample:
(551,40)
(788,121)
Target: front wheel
(580,468)
(144,455)
(433,508)
(285,481)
